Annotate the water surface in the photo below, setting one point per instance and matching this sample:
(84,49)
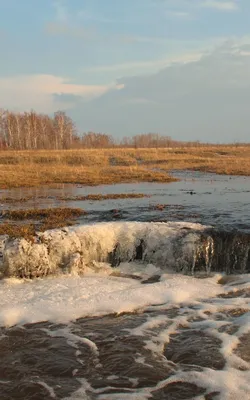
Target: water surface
(210,199)
(149,333)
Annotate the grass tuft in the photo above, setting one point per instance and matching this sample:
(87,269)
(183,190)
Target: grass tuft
(27,222)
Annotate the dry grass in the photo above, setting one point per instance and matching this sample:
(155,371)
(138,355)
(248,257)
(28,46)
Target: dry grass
(89,197)
(26,231)
(108,166)
(100,197)
(28,175)
(37,219)
(36,213)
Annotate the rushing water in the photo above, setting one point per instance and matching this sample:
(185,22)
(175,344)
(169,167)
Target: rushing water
(135,308)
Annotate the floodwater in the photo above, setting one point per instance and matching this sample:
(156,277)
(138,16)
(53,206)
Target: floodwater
(218,200)
(116,318)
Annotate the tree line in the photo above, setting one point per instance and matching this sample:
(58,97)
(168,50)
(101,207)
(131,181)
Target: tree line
(31,131)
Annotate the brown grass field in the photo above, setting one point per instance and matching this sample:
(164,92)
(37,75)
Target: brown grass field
(108,166)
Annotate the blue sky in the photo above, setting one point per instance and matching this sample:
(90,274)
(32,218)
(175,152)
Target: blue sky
(177,67)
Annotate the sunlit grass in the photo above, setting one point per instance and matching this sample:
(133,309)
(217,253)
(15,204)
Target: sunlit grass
(25,223)
(119,165)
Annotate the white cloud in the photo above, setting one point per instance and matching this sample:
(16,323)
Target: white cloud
(64,23)
(221,5)
(61,29)
(38,92)
(182,15)
(86,15)
(143,66)
(61,12)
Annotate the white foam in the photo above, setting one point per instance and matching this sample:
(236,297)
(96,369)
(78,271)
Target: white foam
(66,298)
(230,383)
(73,339)
(138,269)
(75,249)
(133,394)
(49,389)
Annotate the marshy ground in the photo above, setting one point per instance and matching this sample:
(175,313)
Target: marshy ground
(117,165)
(50,189)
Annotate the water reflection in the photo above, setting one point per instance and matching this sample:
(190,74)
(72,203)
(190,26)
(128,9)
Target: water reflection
(212,199)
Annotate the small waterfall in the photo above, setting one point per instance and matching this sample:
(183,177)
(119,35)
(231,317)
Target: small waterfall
(184,247)
(231,252)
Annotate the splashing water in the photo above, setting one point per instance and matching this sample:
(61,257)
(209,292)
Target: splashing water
(116,318)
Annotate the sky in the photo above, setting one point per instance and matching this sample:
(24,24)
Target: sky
(175,67)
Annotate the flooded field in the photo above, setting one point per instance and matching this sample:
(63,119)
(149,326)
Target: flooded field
(218,200)
(145,298)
